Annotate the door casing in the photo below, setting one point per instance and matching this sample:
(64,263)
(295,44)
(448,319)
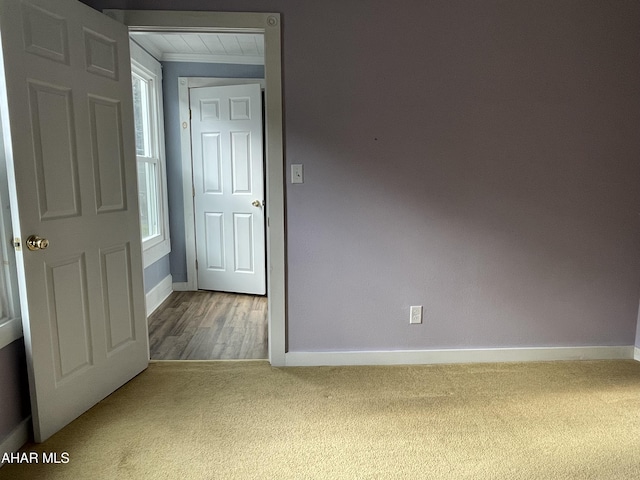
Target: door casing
(184,84)
(269,25)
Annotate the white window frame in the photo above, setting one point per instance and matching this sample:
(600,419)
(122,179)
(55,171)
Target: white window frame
(10,319)
(147,67)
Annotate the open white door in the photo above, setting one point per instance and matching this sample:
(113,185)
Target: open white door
(226,133)
(67,113)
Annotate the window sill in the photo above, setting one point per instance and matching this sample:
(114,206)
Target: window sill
(10,331)
(152,254)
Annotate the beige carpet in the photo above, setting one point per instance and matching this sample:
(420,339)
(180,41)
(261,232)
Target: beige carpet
(247,420)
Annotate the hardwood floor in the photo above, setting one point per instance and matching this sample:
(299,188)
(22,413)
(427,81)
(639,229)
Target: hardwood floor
(209,326)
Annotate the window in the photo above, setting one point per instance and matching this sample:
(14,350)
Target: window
(10,322)
(146,80)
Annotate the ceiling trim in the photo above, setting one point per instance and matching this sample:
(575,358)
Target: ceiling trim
(204,58)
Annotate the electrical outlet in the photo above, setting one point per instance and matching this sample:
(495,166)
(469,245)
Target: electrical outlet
(416,314)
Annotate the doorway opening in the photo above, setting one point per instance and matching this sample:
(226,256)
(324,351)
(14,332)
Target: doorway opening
(239,23)
(220,141)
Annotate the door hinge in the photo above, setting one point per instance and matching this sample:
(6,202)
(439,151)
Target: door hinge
(193,191)
(190,117)
(196,264)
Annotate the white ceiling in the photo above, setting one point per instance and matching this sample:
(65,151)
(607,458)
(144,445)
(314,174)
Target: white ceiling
(244,48)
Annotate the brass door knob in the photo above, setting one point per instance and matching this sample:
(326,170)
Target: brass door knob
(256,203)
(36,243)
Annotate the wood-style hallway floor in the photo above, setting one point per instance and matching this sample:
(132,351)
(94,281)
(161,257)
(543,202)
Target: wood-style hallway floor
(209,326)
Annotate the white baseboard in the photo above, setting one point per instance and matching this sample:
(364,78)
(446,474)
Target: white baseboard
(16,439)
(636,354)
(10,331)
(158,294)
(181,287)
(486,355)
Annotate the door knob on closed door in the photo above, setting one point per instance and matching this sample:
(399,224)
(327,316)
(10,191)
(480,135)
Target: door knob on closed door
(37,243)
(256,203)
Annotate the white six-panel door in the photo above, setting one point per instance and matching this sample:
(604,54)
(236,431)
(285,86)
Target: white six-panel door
(226,134)
(68,130)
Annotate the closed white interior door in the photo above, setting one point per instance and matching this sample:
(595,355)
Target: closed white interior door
(226,135)
(68,134)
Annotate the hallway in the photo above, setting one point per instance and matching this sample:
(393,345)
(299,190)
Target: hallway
(207,325)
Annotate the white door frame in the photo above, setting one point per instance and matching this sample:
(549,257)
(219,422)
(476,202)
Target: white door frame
(269,25)
(184,84)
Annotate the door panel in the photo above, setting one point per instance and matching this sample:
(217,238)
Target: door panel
(214,237)
(241,162)
(101,54)
(105,124)
(211,166)
(69,316)
(45,33)
(226,131)
(243,242)
(118,304)
(55,147)
(68,117)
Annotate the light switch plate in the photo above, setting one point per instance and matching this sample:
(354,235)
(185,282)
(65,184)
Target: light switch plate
(296,174)
(416,314)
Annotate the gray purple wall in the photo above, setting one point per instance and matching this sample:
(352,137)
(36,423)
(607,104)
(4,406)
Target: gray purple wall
(480,158)
(155,273)
(14,392)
